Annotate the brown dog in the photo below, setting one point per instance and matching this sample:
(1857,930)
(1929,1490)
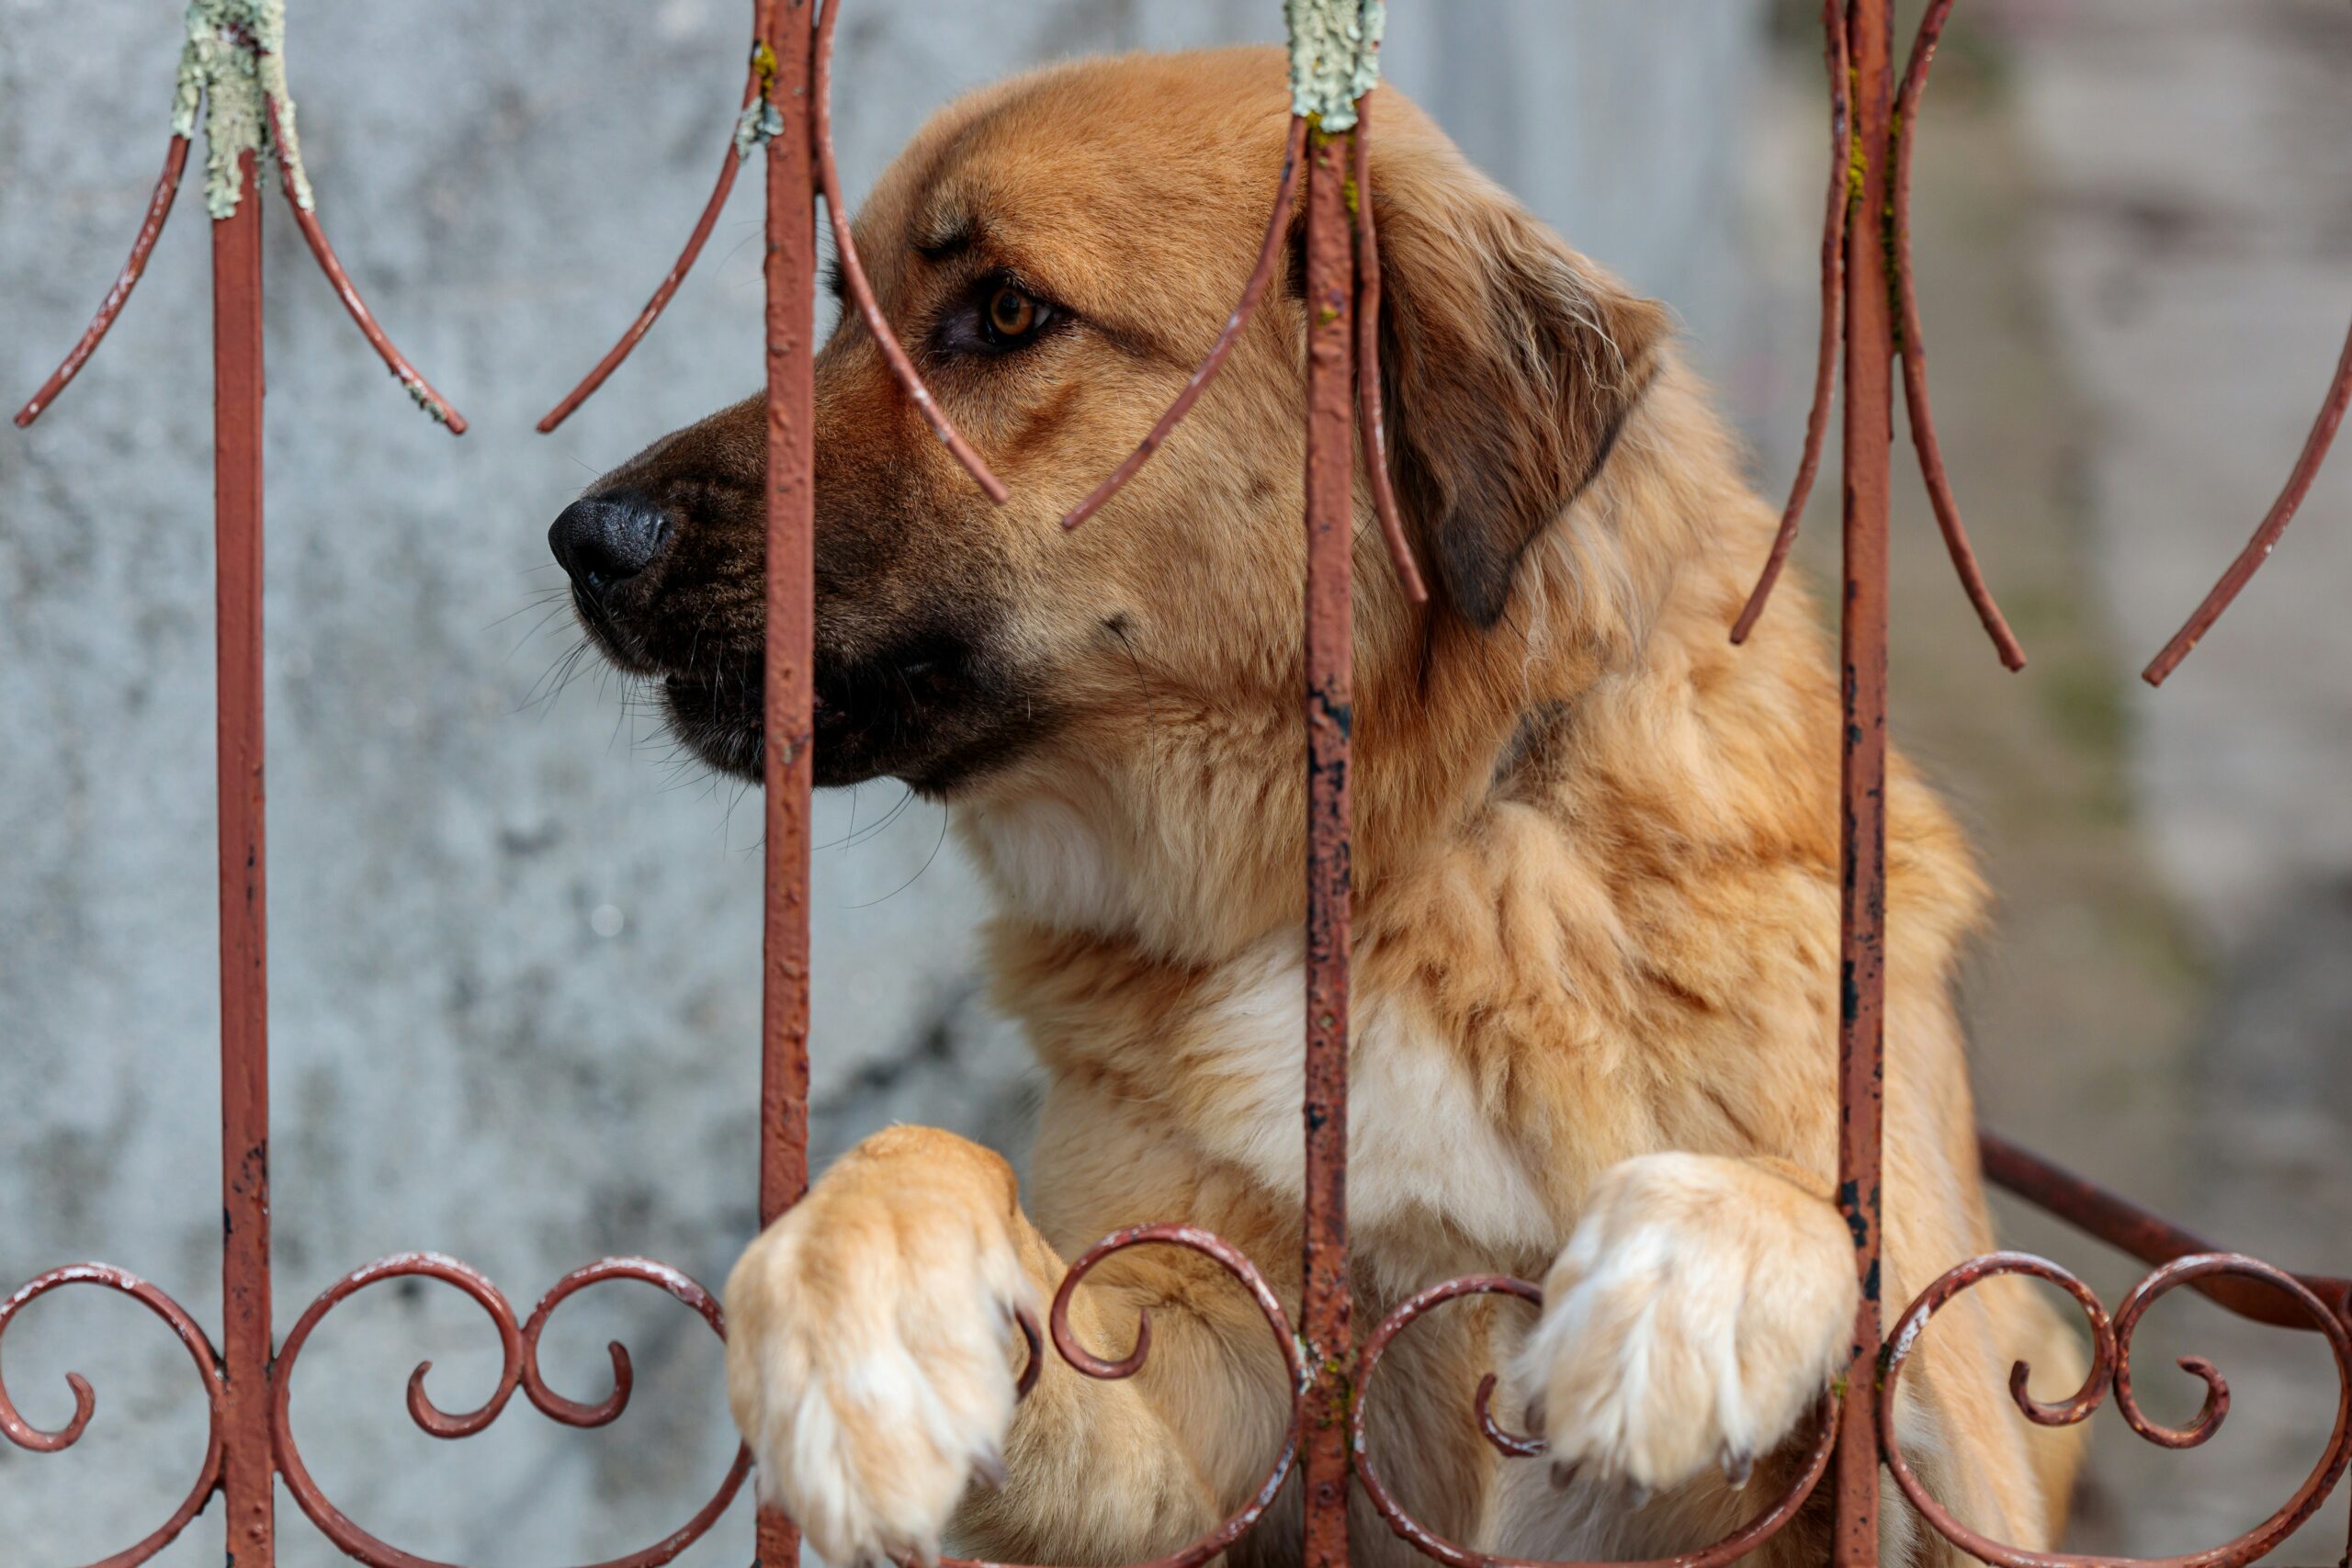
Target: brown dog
(1596,874)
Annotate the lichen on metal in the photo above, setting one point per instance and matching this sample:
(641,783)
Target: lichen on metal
(233,74)
(1334,57)
(761,121)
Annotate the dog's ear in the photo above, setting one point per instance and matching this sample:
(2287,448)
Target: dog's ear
(1509,365)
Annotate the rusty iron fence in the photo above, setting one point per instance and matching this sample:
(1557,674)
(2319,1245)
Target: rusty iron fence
(1871,319)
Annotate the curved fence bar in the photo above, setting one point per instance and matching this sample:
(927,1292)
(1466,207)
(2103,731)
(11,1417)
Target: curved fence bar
(2112,1369)
(756,84)
(1913,344)
(2274,526)
(861,288)
(1269,254)
(518,1367)
(1769,1522)
(1371,419)
(1286,1343)
(22,1433)
(315,236)
(1833,304)
(159,208)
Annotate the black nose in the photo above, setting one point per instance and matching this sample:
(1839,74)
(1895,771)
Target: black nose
(604,541)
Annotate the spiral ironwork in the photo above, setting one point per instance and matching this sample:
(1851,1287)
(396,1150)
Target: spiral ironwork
(519,1368)
(1767,1524)
(2112,1369)
(86,1400)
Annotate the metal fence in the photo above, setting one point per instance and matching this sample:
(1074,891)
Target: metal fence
(233,84)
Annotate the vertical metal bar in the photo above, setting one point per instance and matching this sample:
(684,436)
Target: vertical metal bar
(1330,693)
(246,1465)
(1870,433)
(791,276)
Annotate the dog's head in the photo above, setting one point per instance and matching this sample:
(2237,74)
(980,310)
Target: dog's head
(1057,253)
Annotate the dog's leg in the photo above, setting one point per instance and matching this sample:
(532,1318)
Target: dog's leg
(872,1359)
(1698,1309)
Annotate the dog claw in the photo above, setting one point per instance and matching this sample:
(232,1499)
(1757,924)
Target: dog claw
(1738,1467)
(1638,1498)
(1563,1474)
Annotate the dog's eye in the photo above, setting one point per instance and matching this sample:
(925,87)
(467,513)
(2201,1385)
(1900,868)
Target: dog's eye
(1010,318)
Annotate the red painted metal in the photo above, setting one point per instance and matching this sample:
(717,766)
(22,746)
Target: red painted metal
(1286,1344)
(1914,344)
(1371,419)
(245,1471)
(2274,527)
(519,1368)
(757,84)
(2112,1369)
(1867,281)
(2148,1236)
(1833,307)
(788,693)
(1330,698)
(1861,652)
(207,1369)
(159,207)
(315,236)
(1769,1521)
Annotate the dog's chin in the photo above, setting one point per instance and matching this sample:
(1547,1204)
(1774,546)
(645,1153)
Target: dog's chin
(933,752)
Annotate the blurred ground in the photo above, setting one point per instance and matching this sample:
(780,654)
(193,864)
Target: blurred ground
(2133,224)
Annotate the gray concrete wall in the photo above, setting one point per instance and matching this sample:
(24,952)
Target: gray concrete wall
(514,941)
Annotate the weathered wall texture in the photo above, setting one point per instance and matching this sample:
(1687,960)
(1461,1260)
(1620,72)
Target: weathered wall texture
(515,942)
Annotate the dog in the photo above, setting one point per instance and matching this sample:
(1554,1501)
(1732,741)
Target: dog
(1596,872)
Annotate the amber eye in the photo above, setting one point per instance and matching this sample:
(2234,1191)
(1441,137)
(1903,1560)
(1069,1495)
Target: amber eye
(1011,316)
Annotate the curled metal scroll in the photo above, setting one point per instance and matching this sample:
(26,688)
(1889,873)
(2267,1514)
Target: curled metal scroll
(199,1349)
(519,1367)
(2111,1368)
(1231,1258)
(1755,1533)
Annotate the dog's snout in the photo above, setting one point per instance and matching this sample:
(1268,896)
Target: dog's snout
(602,541)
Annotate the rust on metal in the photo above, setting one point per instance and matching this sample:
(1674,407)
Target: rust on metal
(1833,304)
(2273,528)
(1861,652)
(1914,345)
(159,207)
(245,976)
(787,691)
(1769,1522)
(2111,1370)
(1330,698)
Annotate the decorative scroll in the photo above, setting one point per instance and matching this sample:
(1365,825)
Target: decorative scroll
(519,1367)
(2111,1368)
(1767,1524)
(86,1400)
(1286,1343)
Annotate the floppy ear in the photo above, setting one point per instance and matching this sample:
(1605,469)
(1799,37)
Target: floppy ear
(1509,365)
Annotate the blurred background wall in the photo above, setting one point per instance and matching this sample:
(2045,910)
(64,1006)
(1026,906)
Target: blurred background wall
(515,942)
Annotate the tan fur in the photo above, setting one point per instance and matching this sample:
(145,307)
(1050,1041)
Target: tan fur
(1596,868)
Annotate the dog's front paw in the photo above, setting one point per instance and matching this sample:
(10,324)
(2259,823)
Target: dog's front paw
(871,1354)
(1699,1309)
